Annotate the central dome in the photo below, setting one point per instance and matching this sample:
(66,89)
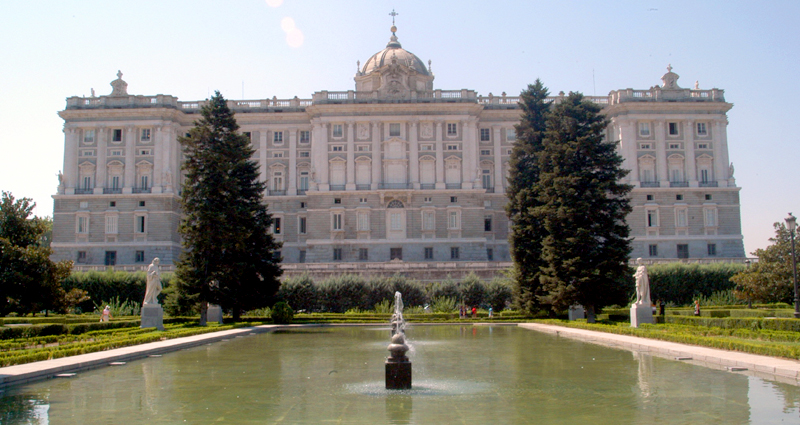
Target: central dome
(394,49)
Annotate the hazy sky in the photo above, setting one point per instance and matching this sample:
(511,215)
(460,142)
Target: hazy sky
(256,49)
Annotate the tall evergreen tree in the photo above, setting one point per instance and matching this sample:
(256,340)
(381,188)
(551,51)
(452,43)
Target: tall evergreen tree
(582,208)
(230,255)
(526,230)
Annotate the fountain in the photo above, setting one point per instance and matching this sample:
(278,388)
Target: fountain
(398,368)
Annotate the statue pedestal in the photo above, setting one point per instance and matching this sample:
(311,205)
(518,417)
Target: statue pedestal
(576,312)
(398,375)
(214,314)
(641,313)
(152,316)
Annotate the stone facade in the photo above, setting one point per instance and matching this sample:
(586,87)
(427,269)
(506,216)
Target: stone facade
(393,169)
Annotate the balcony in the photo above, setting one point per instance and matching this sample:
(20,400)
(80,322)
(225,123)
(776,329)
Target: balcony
(427,186)
(394,186)
(452,186)
(112,190)
(702,184)
(84,191)
(301,191)
(335,187)
(678,184)
(490,189)
(271,192)
(650,184)
(363,187)
(141,190)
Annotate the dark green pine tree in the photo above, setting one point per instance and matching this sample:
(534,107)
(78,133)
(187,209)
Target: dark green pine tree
(583,206)
(230,257)
(526,230)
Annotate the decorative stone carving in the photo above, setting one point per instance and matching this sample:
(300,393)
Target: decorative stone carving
(363,131)
(426,130)
(120,88)
(670,79)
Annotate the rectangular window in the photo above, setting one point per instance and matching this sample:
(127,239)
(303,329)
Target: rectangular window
(453,199)
(337,254)
(337,148)
(649,197)
(453,221)
(111,258)
(485,135)
(276,225)
(116,152)
(487,223)
(144,182)
(305,136)
(81,257)
(511,134)
(83,224)
(142,203)
(429,253)
(489,254)
(116,135)
(673,128)
(674,145)
(645,146)
(87,182)
(277,154)
(337,130)
(363,222)
(452,129)
(453,147)
(653,250)
(394,130)
(305,154)
(426,147)
(140,224)
(337,200)
(362,200)
(681,218)
(362,148)
(454,253)
(395,253)
(277,137)
(679,197)
(112,224)
(708,196)
(303,180)
(88,136)
(301,225)
(652,218)
(139,257)
(644,129)
(301,258)
(428,220)
(712,249)
(428,199)
(486,152)
(145,152)
(337,222)
(683,251)
(701,129)
(363,254)
(710,217)
(145,135)
(704,176)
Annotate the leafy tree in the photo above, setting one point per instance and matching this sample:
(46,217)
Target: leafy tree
(29,280)
(230,255)
(524,170)
(582,208)
(769,280)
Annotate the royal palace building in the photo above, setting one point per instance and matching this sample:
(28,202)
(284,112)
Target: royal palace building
(393,170)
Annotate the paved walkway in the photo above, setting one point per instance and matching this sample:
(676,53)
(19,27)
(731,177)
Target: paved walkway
(783,370)
(773,368)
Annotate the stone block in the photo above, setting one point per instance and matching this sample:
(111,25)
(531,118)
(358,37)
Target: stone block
(152,316)
(576,312)
(214,314)
(398,375)
(641,313)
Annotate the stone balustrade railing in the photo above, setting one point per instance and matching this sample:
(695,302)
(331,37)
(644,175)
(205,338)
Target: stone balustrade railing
(658,94)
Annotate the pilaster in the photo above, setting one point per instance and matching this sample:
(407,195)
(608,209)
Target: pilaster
(691,168)
(661,155)
(70,174)
(350,156)
(413,160)
(100,169)
(263,177)
(377,161)
(627,143)
(130,160)
(439,157)
(469,145)
(499,181)
(291,185)
(158,159)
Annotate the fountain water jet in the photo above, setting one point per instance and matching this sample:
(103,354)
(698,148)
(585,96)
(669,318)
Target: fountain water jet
(398,368)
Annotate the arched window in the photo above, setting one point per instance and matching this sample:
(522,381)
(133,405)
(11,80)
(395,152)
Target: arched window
(277,178)
(705,169)
(647,169)
(86,177)
(144,176)
(116,170)
(676,169)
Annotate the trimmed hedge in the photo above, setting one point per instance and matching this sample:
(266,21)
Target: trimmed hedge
(682,283)
(754,323)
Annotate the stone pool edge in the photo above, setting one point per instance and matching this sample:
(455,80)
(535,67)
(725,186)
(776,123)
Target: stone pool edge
(777,369)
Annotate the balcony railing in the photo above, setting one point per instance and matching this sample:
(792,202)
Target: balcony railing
(301,191)
(363,187)
(394,186)
(490,189)
(427,186)
(84,191)
(271,192)
(141,190)
(452,185)
(337,187)
(678,184)
(111,190)
(649,184)
(709,184)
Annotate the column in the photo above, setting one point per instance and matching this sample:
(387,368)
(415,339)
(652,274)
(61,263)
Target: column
(319,153)
(262,155)
(168,147)
(721,169)
(100,169)
(691,169)
(413,160)
(661,155)
(291,183)
(351,159)
(627,144)
(469,146)
(71,175)
(130,160)
(377,161)
(158,159)
(439,157)
(499,178)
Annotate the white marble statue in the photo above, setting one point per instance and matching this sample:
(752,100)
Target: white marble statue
(642,284)
(153,283)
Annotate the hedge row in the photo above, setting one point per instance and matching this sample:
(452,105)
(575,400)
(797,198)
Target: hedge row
(682,283)
(108,285)
(754,323)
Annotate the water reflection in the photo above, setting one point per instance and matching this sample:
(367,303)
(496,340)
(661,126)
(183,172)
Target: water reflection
(498,375)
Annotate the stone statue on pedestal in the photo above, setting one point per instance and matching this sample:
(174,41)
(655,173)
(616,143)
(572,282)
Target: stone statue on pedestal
(641,310)
(153,283)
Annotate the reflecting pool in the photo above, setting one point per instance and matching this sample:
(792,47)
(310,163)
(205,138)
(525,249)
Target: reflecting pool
(462,374)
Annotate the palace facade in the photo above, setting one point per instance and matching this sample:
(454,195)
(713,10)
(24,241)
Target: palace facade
(394,169)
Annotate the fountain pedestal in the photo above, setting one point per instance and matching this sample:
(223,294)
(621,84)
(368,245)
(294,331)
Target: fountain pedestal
(398,368)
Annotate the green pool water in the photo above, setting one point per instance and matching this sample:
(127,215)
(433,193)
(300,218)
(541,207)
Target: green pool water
(462,375)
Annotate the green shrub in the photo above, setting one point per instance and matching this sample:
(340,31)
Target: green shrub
(444,289)
(300,292)
(498,293)
(281,313)
(473,290)
(384,307)
(444,305)
(412,291)
(107,285)
(338,294)
(683,283)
